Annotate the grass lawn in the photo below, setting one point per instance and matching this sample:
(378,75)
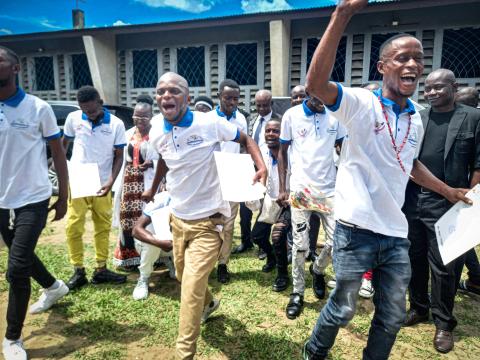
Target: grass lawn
(104,322)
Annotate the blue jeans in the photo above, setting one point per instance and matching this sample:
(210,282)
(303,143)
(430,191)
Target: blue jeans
(354,252)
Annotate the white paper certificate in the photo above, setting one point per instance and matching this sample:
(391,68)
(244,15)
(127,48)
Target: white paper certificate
(84,179)
(236,172)
(459,228)
(161,223)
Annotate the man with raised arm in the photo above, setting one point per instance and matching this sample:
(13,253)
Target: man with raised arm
(186,141)
(371,232)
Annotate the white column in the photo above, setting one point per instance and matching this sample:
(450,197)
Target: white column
(280,56)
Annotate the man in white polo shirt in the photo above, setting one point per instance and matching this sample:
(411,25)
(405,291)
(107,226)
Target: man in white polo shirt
(228,95)
(384,132)
(98,137)
(186,142)
(312,133)
(26,122)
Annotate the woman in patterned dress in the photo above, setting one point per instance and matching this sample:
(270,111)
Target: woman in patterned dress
(138,173)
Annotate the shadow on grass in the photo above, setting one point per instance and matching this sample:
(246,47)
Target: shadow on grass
(66,337)
(231,337)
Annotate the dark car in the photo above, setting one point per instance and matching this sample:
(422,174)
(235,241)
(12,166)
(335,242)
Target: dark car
(62,109)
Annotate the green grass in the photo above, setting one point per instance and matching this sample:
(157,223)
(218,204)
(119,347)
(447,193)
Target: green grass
(104,322)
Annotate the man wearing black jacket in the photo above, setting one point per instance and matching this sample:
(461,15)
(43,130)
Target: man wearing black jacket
(451,151)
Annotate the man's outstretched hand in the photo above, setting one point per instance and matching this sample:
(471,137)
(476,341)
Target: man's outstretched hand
(352,6)
(455,195)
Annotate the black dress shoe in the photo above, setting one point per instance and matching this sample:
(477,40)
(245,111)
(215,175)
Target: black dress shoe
(443,341)
(223,276)
(295,305)
(242,248)
(104,276)
(78,279)
(261,254)
(269,266)
(318,283)
(280,284)
(414,317)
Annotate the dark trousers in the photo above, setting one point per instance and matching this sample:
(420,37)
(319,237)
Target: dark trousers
(313,233)
(261,236)
(245,224)
(22,261)
(425,259)
(280,233)
(473,266)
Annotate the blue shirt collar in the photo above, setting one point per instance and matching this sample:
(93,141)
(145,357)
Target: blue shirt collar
(186,121)
(274,161)
(221,114)
(104,120)
(410,108)
(308,111)
(16,98)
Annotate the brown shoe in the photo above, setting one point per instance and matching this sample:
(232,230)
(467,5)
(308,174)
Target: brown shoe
(414,317)
(443,341)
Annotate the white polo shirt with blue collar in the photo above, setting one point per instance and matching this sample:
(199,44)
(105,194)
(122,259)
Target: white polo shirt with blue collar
(371,184)
(312,137)
(235,118)
(187,149)
(95,143)
(26,123)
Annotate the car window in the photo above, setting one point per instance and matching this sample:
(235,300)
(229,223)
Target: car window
(124,113)
(62,111)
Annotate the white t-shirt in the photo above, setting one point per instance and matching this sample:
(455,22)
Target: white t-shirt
(312,137)
(238,120)
(160,200)
(187,149)
(371,185)
(273,182)
(26,122)
(257,123)
(95,144)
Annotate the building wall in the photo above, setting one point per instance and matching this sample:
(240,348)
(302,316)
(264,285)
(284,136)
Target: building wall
(360,46)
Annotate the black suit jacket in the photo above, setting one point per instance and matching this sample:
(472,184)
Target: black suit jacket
(462,150)
(254,118)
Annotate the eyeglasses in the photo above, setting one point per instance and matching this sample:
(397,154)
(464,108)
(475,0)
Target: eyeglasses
(141,118)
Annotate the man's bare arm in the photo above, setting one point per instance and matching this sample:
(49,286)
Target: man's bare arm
(423,177)
(317,80)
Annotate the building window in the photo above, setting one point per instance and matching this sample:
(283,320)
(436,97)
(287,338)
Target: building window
(145,68)
(338,72)
(461,52)
(191,65)
(80,71)
(241,63)
(44,76)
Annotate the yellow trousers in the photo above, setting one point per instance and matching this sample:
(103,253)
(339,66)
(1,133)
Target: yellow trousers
(196,245)
(101,208)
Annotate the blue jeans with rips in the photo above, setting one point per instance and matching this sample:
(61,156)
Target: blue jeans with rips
(354,252)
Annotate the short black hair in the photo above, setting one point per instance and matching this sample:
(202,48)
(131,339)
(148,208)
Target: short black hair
(11,55)
(391,39)
(87,93)
(228,82)
(145,98)
(205,99)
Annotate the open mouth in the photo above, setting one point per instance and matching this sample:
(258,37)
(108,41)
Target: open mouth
(168,107)
(408,79)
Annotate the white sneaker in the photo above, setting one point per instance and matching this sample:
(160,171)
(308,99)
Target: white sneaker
(332,284)
(141,290)
(209,309)
(366,290)
(48,298)
(13,349)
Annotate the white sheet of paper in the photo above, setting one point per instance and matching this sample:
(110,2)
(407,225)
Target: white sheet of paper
(84,179)
(458,229)
(161,223)
(236,172)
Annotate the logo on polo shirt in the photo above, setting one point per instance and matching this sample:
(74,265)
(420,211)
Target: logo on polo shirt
(412,139)
(379,126)
(332,130)
(194,140)
(19,123)
(302,132)
(106,130)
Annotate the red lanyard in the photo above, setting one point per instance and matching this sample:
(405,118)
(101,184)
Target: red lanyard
(397,150)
